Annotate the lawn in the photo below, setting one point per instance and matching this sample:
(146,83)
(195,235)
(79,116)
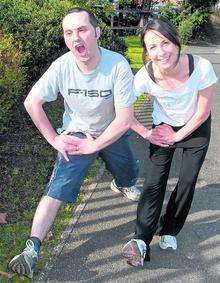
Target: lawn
(134,52)
(134,55)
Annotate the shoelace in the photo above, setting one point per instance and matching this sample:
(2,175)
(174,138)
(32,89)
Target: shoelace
(132,189)
(29,250)
(143,253)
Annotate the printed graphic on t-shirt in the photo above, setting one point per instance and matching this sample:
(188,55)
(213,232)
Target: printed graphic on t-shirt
(91,93)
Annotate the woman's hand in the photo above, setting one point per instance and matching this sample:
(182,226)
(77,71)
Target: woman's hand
(167,134)
(156,138)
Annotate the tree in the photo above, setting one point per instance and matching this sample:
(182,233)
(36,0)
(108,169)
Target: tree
(145,7)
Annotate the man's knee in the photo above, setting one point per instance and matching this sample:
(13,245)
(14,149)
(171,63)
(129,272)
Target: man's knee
(50,201)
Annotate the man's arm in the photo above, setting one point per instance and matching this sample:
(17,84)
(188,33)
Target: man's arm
(114,131)
(63,143)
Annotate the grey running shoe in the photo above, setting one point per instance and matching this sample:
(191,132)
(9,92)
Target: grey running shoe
(168,241)
(132,193)
(135,252)
(25,262)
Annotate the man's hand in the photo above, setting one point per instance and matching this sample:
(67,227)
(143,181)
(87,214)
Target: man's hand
(84,146)
(65,143)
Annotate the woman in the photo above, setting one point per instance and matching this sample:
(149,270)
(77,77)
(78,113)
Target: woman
(182,86)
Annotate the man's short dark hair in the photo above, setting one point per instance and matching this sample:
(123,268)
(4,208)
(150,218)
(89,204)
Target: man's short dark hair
(92,18)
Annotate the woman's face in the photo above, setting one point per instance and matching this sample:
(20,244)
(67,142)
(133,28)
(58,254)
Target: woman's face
(162,52)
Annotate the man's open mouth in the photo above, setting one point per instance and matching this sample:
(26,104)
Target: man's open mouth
(81,49)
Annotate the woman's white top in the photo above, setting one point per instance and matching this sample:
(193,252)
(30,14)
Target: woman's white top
(176,107)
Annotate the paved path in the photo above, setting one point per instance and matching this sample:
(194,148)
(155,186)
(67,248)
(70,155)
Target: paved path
(91,251)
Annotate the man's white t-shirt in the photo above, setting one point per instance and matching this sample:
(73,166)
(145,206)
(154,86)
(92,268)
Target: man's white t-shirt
(89,99)
(176,107)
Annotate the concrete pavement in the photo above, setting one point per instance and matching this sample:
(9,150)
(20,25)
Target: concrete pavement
(92,244)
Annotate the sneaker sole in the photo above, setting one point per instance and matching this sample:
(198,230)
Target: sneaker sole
(20,266)
(132,255)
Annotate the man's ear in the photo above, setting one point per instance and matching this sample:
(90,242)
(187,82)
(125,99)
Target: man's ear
(97,32)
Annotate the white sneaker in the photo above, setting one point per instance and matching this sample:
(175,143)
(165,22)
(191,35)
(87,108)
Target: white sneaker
(168,241)
(25,262)
(132,193)
(135,251)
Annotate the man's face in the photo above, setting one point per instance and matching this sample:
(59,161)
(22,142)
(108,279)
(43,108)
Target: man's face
(80,36)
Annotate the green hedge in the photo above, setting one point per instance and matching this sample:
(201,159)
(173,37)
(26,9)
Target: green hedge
(12,78)
(36,24)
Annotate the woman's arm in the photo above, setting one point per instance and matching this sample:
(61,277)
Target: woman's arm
(148,134)
(205,101)
(139,128)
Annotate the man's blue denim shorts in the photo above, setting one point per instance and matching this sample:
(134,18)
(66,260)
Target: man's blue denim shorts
(68,176)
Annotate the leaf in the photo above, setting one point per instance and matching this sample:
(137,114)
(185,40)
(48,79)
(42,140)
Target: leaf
(49,237)
(3,218)
(6,274)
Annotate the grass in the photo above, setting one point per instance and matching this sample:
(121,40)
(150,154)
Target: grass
(134,55)
(134,52)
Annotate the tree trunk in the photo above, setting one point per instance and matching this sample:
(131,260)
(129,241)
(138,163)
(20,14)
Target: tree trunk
(145,6)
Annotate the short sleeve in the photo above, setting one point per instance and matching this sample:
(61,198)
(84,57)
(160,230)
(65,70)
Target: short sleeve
(140,82)
(207,75)
(47,87)
(123,85)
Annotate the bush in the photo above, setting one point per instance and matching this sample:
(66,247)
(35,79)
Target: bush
(185,19)
(201,4)
(11,77)
(172,12)
(36,24)
(112,41)
(189,24)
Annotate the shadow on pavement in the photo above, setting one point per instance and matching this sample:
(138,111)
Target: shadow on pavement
(93,251)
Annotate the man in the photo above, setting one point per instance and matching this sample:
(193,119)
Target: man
(96,85)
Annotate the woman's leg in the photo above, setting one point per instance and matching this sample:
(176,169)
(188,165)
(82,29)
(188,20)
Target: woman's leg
(151,200)
(195,147)
(181,198)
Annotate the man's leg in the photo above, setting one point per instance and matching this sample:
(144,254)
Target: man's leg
(44,216)
(64,186)
(124,167)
